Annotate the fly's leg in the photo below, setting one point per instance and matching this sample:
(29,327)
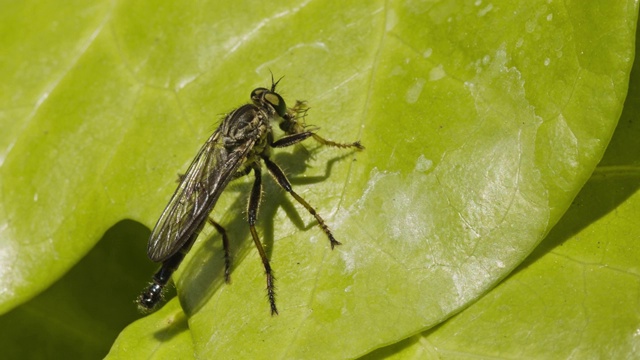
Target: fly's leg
(252,214)
(282,180)
(241,173)
(151,297)
(326,142)
(225,246)
(223,232)
(296,133)
(292,139)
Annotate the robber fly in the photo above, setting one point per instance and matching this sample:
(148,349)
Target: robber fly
(241,144)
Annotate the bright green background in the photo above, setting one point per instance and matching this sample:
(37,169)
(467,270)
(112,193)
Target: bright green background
(482,121)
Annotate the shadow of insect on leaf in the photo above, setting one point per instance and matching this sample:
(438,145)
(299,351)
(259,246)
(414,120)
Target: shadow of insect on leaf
(175,324)
(204,276)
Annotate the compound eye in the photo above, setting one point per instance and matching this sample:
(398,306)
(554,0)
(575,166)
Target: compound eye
(277,102)
(256,94)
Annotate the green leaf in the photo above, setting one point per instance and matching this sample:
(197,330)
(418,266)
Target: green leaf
(481,121)
(49,164)
(576,295)
(165,335)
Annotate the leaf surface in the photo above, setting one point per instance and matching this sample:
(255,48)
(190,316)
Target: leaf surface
(481,120)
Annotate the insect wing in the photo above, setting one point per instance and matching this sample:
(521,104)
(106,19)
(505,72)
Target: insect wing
(197,194)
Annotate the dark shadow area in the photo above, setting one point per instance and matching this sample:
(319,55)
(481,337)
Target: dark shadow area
(392,350)
(80,316)
(586,208)
(172,328)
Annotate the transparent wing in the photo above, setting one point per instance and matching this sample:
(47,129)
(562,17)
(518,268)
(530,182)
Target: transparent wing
(197,194)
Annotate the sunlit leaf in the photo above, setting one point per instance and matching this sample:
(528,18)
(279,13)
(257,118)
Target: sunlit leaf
(576,295)
(481,120)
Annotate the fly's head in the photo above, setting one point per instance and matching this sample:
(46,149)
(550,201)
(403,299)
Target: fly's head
(269,100)
(291,119)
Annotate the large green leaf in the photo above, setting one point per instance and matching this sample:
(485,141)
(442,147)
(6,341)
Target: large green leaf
(576,296)
(481,121)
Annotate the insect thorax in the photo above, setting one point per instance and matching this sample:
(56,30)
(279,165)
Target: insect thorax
(244,125)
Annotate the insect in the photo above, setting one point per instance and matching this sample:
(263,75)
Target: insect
(242,142)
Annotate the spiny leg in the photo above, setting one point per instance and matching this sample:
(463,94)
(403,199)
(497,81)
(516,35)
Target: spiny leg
(252,214)
(326,142)
(282,180)
(223,232)
(225,246)
(296,132)
(151,297)
(292,139)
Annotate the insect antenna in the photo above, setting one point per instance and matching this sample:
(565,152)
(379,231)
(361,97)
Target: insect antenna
(273,84)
